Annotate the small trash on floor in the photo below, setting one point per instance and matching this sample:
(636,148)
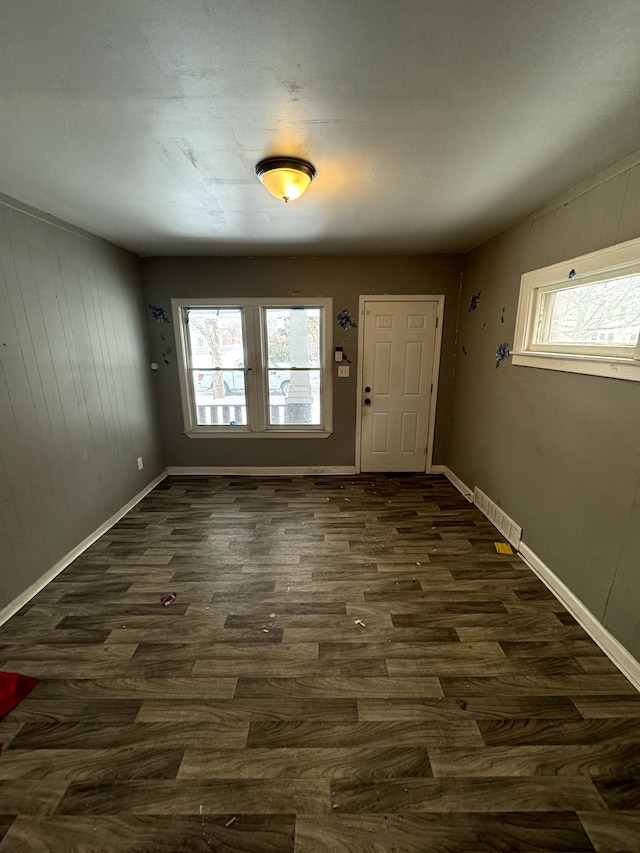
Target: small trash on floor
(166,600)
(503,548)
(229,822)
(360,623)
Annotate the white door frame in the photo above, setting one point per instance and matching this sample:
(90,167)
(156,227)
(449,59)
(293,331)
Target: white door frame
(388,297)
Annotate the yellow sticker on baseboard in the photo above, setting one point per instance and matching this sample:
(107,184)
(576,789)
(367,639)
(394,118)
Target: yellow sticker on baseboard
(503,548)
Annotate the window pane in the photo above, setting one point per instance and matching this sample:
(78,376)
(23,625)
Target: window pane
(216,337)
(217,357)
(294,397)
(606,313)
(293,337)
(293,377)
(226,407)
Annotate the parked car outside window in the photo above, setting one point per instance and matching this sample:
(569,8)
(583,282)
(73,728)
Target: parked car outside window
(279,380)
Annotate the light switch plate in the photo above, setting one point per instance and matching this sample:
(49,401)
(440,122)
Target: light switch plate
(343,370)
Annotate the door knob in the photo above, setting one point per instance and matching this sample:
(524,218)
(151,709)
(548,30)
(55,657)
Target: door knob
(367,390)
(367,401)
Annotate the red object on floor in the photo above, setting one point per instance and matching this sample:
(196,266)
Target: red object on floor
(13,688)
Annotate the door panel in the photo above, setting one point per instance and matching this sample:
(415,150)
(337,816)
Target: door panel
(409,434)
(382,368)
(379,432)
(398,360)
(413,368)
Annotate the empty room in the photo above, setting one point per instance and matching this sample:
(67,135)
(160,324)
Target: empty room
(319,445)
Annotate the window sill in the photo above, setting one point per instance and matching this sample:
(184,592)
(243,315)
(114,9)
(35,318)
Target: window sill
(234,433)
(613,368)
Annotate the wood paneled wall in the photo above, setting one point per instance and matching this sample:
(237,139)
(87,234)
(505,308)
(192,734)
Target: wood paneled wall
(75,392)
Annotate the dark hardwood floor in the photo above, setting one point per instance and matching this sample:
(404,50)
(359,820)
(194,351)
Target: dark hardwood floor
(349,665)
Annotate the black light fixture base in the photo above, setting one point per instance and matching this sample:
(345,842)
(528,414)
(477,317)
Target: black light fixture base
(270,163)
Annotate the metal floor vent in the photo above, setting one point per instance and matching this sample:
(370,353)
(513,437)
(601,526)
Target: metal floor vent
(507,526)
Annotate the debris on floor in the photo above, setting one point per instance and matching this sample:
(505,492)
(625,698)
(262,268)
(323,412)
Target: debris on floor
(13,689)
(167,599)
(360,623)
(503,548)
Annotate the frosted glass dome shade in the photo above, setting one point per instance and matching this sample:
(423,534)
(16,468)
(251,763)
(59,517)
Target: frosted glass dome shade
(286,178)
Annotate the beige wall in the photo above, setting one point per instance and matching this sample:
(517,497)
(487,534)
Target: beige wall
(344,279)
(76,405)
(559,452)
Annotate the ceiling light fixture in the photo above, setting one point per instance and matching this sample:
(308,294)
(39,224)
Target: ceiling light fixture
(285,177)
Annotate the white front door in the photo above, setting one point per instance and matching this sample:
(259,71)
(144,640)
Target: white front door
(400,356)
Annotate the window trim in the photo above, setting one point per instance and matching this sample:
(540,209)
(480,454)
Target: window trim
(612,262)
(255,352)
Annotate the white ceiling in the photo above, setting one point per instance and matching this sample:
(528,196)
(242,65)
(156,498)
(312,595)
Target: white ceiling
(433,124)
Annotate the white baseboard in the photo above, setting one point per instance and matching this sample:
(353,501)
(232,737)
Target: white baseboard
(614,649)
(12,608)
(262,471)
(457,482)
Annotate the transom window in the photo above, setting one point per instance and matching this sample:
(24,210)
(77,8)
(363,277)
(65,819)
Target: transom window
(254,367)
(583,315)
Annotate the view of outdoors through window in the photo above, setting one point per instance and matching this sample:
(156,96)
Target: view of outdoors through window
(293,349)
(217,365)
(287,369)
(605,313)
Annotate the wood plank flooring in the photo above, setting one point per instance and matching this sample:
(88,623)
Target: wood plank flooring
(349,665)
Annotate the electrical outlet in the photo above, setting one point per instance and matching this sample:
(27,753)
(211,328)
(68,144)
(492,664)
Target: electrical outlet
(140,463)
(343,370)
